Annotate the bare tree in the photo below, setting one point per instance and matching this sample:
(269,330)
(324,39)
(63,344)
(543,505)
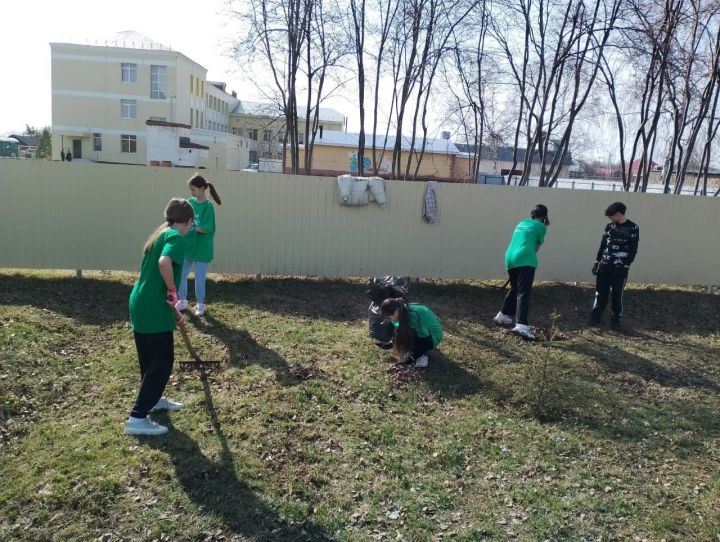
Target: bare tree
(553,71)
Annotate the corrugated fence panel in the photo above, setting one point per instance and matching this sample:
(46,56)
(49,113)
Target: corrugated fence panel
(93,216)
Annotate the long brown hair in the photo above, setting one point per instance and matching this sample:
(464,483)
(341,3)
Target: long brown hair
(177,211)
(198,181)
(404,340)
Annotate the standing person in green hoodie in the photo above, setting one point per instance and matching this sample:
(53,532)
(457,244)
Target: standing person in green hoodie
(153,316)
(199,242)
(418,329)
(521,262)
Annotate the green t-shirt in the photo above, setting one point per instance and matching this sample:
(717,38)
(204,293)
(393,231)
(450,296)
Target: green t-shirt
(528,236)
(425,323)
(149,311)
(200,245)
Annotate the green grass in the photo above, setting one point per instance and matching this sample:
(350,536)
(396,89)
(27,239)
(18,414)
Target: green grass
(311,433)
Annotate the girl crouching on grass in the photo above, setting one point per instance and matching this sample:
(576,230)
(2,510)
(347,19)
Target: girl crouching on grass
(153,316)
(418,329)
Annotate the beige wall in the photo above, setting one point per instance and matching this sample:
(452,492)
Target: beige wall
(87,90)
(95,216)
(276,125)
(334,160)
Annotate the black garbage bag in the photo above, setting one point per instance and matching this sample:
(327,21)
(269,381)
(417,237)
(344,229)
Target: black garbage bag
(380,289)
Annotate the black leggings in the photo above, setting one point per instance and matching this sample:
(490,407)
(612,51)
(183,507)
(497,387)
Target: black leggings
(517,300)
(156,353)
(422,346)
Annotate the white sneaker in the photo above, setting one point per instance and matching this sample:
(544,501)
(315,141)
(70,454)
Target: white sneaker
(502,319)
(199,309)
(166,404)
(144,426)
(421,362)
(181,305)
(524,331)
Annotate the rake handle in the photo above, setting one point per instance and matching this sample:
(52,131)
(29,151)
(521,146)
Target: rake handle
(189,346)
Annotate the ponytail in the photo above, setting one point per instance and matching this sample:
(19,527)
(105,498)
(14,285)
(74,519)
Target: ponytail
(214,193)
(404,339)
(177,211)
(198,181)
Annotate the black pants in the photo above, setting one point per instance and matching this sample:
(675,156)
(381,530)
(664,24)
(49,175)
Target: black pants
(421,347)
(156,353)
(609,277)
(517,300)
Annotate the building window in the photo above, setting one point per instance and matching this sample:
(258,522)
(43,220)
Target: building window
(202,88)
(128,144)
(267,135)
(252,134)
(158,82)
(197,86)
(236,131)
(128,109)
(97,142)
(129,72)
(191,84)
(197,118)
(191,116)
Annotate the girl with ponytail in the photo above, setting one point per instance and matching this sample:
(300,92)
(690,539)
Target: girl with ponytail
(418,329)
(153,316)
(199,243)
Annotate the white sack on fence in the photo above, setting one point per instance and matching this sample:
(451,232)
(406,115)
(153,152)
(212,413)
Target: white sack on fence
(359,194)
(377,190)
(344,188)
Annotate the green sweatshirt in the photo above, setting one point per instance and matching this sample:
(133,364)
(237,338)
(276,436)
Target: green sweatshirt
(424,323)
(149,311)
(200,245)
(527,238)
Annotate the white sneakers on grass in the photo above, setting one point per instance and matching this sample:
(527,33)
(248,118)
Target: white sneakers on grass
(183,305)
(524,331)
(147,427)
(421,362)
(521,330)
(144,427)
(502,319)
(166,404)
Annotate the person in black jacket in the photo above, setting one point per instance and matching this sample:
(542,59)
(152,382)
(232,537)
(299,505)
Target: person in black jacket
(616,254)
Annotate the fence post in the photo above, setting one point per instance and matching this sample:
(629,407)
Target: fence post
(592,185)
(258,276)
(78,273)
(711,289)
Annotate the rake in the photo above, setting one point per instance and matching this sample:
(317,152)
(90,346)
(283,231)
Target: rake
(197,363)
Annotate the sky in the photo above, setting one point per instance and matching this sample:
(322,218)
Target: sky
(200,30)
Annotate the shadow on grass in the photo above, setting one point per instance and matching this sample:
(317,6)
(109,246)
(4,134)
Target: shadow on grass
(323,299)
(90,301)
(244,351)
(449,379)
(617,360)
(216,487)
